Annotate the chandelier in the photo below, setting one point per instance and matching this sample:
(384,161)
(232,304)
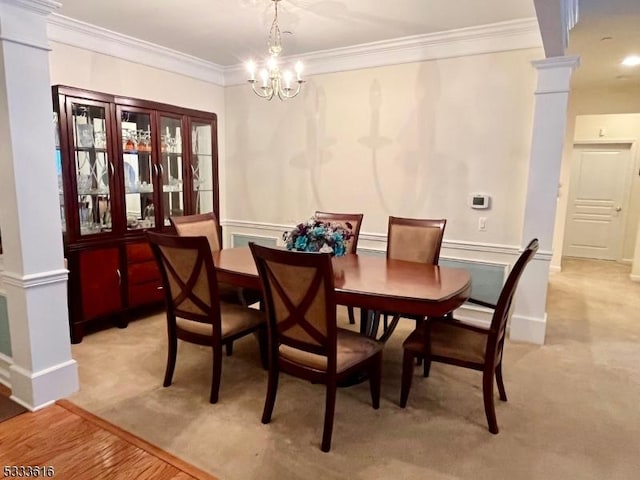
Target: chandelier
(274,82)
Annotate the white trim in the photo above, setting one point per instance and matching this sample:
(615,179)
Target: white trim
(34,279)
(97,39)
(40,389)
(42,7)
(5,365)
(481,39)
(555,268)
(634,278)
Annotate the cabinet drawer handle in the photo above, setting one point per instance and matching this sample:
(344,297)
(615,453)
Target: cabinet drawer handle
(159,288)
(119,276)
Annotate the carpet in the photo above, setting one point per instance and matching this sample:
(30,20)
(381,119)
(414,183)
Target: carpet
(572,411)
(9,408)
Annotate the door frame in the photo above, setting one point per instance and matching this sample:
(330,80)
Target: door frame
(633,166)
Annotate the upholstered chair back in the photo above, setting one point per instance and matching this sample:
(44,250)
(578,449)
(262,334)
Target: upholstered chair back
(415,240)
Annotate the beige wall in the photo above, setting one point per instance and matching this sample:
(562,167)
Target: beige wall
(408,140)
(587,102)
(86,69)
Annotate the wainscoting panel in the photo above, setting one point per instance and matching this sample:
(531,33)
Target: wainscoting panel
(5,340)
(242,240)
(486,278)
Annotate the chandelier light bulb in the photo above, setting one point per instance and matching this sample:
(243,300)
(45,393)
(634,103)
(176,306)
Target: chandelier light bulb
(251,68)
(274,82)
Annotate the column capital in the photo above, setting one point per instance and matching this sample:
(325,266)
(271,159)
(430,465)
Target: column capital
(42,7)
(554,73)
(24,22)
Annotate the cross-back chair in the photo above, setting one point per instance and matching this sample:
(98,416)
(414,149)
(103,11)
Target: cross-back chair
(304,340)
(206,224)
(453,342)
(352,221)
(194,312)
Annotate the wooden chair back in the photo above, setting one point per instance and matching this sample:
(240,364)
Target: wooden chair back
(415,240)
(298,289)
(189,278)
(352,221)
(495,342)
(205,224)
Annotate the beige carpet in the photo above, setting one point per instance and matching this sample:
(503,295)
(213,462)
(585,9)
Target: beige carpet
(573,410)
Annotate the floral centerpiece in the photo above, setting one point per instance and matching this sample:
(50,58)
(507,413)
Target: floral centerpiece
(318,236)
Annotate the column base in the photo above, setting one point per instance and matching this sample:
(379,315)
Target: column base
(528,329)
(40,389)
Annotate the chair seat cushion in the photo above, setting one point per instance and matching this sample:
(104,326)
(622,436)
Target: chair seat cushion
(235,319)
(352,348)
(449,341)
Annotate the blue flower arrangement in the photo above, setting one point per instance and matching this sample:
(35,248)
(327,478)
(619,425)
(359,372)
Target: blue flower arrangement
(318,236)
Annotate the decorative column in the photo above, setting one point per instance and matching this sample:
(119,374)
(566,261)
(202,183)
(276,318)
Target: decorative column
(34,276)
(529,320)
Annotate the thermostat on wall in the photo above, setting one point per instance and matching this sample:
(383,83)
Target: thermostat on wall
(479,201)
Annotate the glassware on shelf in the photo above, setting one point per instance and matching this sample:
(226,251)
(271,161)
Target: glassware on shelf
(101,139)
(85,135)
(128,140)
(144,140)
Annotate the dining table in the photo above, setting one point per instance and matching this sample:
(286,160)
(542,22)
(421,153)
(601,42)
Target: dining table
(370,282)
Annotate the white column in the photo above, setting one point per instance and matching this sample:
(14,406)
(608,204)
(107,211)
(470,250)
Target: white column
(34,276)
(529,320)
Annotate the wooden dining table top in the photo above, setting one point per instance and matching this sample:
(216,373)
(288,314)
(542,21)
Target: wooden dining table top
(368,281)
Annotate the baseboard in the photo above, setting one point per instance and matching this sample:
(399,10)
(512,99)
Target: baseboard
(528,329)
(40,389)
(634,278)
(555,268)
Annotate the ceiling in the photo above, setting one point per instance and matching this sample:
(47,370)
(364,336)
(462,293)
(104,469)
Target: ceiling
(600,56)
(228,32)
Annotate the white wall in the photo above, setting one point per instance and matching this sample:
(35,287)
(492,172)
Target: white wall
(407,140)
(81,68)
(584,102)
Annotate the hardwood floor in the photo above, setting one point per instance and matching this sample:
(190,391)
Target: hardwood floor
(79,446)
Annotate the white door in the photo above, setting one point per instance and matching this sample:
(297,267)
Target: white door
(595,215)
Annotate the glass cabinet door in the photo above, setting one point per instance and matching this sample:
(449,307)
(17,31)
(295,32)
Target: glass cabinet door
(56,129)
(138,168)
(171,167)
(202,166)
(93,167)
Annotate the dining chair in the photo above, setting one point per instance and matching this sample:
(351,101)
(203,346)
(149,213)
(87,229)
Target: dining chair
(194,312)
(412,240)
(206,224)
(353,222)
(304,339)
(455,343)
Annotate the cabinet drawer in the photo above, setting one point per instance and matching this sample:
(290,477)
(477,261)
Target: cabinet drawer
(143,273)
(139,252)
(145,293)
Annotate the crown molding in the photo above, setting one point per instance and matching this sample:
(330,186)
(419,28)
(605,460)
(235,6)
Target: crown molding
(495,37)
(79,34)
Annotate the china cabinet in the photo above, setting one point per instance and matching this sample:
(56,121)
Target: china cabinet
(125,166)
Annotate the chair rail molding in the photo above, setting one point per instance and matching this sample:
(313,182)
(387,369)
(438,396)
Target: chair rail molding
(276,230)
(497,37)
